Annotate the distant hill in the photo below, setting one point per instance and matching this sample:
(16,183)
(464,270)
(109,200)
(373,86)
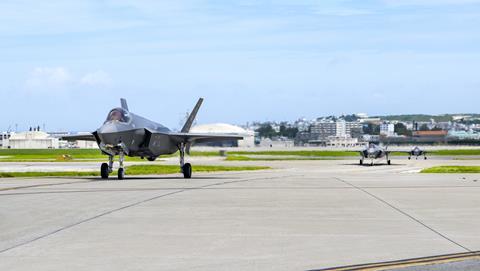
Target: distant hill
(424,118)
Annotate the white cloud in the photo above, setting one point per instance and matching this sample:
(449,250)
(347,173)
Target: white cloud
(97,78)
(55,79)
(429,2)
(343,12)
(47,77)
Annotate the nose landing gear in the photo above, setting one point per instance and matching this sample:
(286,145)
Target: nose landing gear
(106,169)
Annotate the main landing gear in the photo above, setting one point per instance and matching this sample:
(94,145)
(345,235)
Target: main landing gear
(185,167)
(106,169)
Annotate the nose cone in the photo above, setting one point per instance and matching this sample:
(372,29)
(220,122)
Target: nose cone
(112,127)
(113,132)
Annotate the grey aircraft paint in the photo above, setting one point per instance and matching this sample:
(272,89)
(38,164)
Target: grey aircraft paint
(125,133)
(374,152)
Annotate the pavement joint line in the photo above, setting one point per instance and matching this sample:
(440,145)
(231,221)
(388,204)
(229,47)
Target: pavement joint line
(136,204)
(40,185)
(431,260)
(405,214)
(227,188)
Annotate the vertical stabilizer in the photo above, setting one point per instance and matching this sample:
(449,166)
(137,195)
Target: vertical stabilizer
(191,117)
(124,104)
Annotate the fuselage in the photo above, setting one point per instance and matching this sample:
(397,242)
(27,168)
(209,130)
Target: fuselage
(416,151)
(133,135)
(373,152)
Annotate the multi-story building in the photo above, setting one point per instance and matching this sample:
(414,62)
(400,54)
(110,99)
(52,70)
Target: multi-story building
(324,129)
(387,129)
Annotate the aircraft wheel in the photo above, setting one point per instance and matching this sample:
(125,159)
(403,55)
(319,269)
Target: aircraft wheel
(151,159)
(389,162)
(409,158)
(187,171)
(361,162)
(104,171)
(425,158)
(121,173)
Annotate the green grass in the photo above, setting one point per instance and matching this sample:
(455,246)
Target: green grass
(456,152)
(297,153)
(452,169)
(132,170)
(78,155)
(69,155)
(273,158)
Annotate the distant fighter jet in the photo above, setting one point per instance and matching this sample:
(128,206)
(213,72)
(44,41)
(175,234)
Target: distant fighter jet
(374,152)
(416,151)
(124,133)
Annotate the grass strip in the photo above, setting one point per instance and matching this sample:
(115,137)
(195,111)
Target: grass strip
(132,170)
(274,158)
(452,169)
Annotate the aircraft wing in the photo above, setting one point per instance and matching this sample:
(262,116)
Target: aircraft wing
(86,137)
(202,138)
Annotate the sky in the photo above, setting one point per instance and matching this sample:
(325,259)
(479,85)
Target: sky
(65,64)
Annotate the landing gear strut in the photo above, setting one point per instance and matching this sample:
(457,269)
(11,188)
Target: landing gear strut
(106,169)
(121,170)
(185,167)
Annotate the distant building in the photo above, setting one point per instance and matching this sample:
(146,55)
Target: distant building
(223,128)
(336,141)
(324,129)
(276,143)
(32,140)
(371,120)
(464,135)
(440,133)
(387,129)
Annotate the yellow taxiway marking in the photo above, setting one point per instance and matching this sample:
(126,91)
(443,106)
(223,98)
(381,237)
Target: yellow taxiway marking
(410,262)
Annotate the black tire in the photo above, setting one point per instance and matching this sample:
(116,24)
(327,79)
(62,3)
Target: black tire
(409,158)
(361,162)
(121,173)
(187,171)
(425,158)
(104,171)
(389,162)
(151,159)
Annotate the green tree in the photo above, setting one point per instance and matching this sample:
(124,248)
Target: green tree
(401,129)
(424,127)
(371,129)
(266,130)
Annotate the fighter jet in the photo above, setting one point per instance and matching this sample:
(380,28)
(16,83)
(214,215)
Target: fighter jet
(124,133)
(416,151)
(374,152)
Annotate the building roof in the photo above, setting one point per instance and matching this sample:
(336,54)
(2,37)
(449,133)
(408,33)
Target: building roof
(219,128)
(430,133)
(29,135)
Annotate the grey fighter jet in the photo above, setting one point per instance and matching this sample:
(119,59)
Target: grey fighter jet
(124,133)
(374,152)
(416,151)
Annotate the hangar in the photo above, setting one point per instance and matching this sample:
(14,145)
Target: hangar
(223,128)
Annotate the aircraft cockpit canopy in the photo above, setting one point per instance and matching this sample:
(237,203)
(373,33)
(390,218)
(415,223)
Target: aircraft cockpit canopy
(118,114)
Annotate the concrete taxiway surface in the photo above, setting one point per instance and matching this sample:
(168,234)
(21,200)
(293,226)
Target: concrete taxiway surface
(302,215)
